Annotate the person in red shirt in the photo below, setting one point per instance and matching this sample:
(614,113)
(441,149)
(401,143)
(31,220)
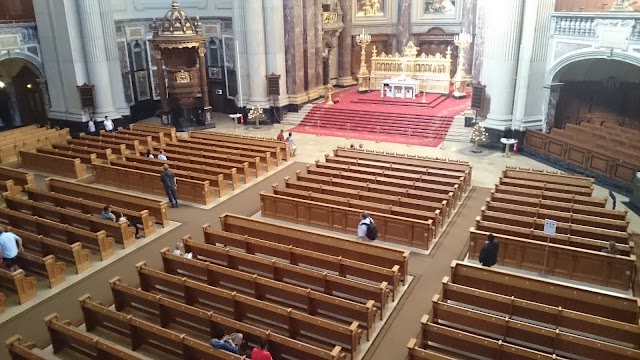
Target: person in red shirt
(280,136)
(261,353)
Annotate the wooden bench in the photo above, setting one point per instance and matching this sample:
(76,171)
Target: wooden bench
(281,146)
(72,254)
(179,167)
(10,147)
(265,157)
(102,154)
(527,222)
(146,182)
(131,145)
(8,186)
(122,233)
(86,159)
(91,207)
(144,141)
(156,208)
(140,333)
(380,180)
(54,230)
(289,273)
(374,254)
(72,168)
(325,333)
(19,350)
(382,199)
(565,207)
(254,163)
(273,153)
(95,143)
(552,317)
(391,228)
(548,292)
(376,276)
(536,185)
(20,283)
(530,335)
(551,196)
(547,177)
(47,267)
(296,297)
(169,131)
(569,262)
(622,138)
(157,138)
(171,312)
(240,168)
(22,129)
(19,177)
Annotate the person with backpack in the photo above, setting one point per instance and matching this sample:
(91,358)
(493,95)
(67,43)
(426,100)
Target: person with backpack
(367,228)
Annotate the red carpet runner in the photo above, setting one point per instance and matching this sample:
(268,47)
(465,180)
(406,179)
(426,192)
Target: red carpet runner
(370,117)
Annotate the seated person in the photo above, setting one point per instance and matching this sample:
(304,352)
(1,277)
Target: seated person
(179,251)
(107,213)
(261,352)
(123,219)
(230,343)
(611,249)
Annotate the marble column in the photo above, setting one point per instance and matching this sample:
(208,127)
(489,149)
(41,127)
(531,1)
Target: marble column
(403,30)
(501,60)
(469,27)
(319,49)
(242,64)
(549,108)
(334,55)
(96,58)
(310,47)
(479,33)
(294,38)
(275,45)
(256,53)
(529,93)
(113,59)
(345,44)
(16,119)
(164,101)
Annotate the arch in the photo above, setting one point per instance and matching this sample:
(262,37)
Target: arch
(587,54)
(31,60)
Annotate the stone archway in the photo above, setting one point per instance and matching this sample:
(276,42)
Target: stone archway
(22,100)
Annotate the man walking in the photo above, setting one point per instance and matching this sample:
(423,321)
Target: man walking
(170,184)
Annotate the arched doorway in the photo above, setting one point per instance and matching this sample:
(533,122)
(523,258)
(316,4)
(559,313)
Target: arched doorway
(21,97)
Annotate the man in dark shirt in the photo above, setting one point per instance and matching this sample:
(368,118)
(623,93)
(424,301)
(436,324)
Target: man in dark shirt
(489,252)
(168,180)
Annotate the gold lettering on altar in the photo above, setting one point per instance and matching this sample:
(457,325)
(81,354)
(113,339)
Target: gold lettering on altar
(433,72)
(183,77)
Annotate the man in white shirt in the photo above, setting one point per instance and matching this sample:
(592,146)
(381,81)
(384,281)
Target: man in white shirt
(10,245)
(364,225)
(108,124)
(162,156)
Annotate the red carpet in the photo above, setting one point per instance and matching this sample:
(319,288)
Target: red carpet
(371,117)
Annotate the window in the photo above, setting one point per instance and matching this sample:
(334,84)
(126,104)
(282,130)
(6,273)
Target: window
(139,57)
(214,53)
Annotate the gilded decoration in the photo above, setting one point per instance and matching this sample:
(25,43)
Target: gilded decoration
(329,17)
(183,77)
(439,7)
(180,45)
(370,8)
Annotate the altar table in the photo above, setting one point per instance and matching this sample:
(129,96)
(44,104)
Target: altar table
(398,88)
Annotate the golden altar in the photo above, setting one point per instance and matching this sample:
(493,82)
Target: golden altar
(433,72)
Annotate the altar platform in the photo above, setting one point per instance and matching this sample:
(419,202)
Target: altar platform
(371,117)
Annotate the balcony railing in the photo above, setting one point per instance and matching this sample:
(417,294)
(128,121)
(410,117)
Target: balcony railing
(585,25)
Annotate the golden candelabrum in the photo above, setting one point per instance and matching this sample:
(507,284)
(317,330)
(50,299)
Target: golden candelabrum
(330,91)
(460,79)
(363,76)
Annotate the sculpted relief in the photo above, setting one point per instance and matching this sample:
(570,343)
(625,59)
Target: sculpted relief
(436,7)
(370,8)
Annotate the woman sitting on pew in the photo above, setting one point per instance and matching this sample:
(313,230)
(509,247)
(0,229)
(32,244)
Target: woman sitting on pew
(179,251)
(230,343)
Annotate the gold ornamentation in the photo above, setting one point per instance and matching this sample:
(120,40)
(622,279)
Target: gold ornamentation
(179,45)
(183,77)
(330,90)
(371,8)
(202,50)
(157,54)
(329,17)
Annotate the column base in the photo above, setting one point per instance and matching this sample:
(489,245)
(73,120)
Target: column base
(345,81)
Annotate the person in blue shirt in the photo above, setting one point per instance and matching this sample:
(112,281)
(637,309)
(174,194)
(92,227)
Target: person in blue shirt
(10,245)
(106,213)
(230,343)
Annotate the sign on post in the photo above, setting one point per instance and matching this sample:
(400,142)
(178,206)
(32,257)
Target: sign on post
(550,227)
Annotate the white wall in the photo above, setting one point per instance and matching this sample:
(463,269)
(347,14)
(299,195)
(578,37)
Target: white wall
(598,70)
(145,9)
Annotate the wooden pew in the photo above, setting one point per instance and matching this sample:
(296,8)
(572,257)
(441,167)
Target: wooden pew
(588,232)
(86,159)
(536,185)
(95,143)
(376,276)
(566,207)
(379,189)
(22,129)
(102,154)
(583,265)
(532,288)
(131,145)
(72,254)
(560,216)
(241,169)
(121,232)
(157,137)
(391,228)
(169,131)
(288,273)
(19,177)
(91,207)
(273,153)
(20,283)
(180,167)
(416,353)
(547,177)
(146,182)
(8,186)
(381,199)
(380,180)
(554,317)
(551,196)
(286,321)
(69,234)
(64,335)
(530,335)
(254,163)
(157,208)
(281,146)
(170,312)
(47,267)
(303,299)
(72,168)
(374,254)
(141,333)
(19,350)
(144,141)
(265,157)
